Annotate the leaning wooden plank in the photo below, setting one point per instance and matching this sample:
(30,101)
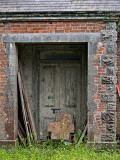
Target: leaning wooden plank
(23,107)
(83,134)
(21,137)
(27,107)
(21,133)
(27,115)
(28,118)
(21,129)
(32,125)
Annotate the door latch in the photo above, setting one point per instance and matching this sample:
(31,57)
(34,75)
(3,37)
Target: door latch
(55,109)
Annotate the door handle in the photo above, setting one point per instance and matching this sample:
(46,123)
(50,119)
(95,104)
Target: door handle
(55,109)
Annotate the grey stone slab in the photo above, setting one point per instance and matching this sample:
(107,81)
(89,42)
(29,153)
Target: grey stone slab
(108,35)
(108,79)
(108,98)
(108,60)
(111,48)
(111,71)
(108,137)
(92,130)
(108,117)
(111,89)
(111,26)
(11,105)
(110,128)
(111,107)
(51,37)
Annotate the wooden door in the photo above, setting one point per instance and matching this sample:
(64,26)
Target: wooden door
(59,88)
(70,90)
(49,95)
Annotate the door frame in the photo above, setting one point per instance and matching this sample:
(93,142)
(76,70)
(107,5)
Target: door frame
(11,41)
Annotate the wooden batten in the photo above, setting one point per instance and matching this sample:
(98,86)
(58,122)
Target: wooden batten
(27,114)
(23,107)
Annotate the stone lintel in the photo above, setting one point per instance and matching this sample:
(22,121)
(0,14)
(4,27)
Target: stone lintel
(50,37)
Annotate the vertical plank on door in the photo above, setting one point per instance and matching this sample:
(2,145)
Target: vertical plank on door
(70,90)
(49,92)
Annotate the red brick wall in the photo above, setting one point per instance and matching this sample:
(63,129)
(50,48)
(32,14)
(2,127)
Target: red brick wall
(101,88)
(118,77)
(36,27)
(47,27)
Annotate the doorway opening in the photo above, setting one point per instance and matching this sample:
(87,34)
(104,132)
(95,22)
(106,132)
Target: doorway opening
(56,79)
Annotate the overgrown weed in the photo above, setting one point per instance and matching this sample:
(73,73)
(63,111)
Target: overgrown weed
(57,150)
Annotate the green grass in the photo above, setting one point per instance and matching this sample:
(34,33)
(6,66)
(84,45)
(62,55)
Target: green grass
(56,152)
